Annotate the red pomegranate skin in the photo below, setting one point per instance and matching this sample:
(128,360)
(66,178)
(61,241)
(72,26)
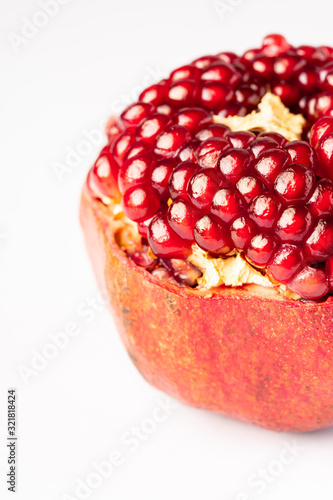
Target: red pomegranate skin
(265,361)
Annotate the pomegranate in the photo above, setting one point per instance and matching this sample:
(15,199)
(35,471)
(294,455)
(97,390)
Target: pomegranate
(209,219)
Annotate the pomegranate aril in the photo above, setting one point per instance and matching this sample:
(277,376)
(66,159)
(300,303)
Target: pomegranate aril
(204,61)
(322,127)
(288,92)
(270,163)
(211,235)
(294,225)
(286,262)
(183,92)
(140,203)
(165,109)
(262,144)
(232,109)
(261,249)
(213,130)
(234,164)
(228,57)
(312,55)
(263,66)
(294,185)
(202,187)
(102,179)
(155,94)
(143,225)
(135,171)
(329,274)
(221,72)
(121,145)
(171,140)
(248,96)
(164,242)
(183,271)
(160,175)
(264,210)
(288,66)
(242,231)
(307,80)
(133,115)
(249,55)
(137,148)
(210,150)
(151,127)
(326,77)
(319,245)
(240,139)
(213,95)
(182,217)
(192,118)
(325,156)
(274,45)
(184,72)
(321,201)
(179,180)
(142,259)
(310,284)
(113,128)
(302,152)
(275,136)
(317,105)
(189,152)
(250,187)
(227,205)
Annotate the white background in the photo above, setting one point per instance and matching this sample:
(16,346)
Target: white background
(88,60)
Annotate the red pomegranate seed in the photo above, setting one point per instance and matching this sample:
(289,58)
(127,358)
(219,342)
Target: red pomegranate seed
(227,205)
(262,144)
(263,66)
(179,180)
(192,118)
(212,236)
(270,163)
(329,274)
(221,72)
(182,218)
(151,127)
(242,231)
(234,164)
(261,249)
(294,225)
(155,94)
(250,187)
(318,104)
(312,55)
(322,127)
(321,201)
(288,66)
(325,156)
(228,57)
(286,262)
(275,136)
(240,139)
(164,242)
(294,185)
(142,259)
(133,115)
(329,112)
(165,109)
(310,284)
(160,176)
(249,95)
(189,152)
(188,71)
(213,95)
(288,92)
(319,245)
(137,148)
(183,92)
(249,55)
(182,271)
(121,145)
(274,45)
(326,77)
(210,150)
(113,128)
(264,210)
(302,152)
(213,130)
(307,80)
(140,203)
(232,109)
(203,186)
(103,176)
(171,140)
(143,226)
(135,171)
(204,61)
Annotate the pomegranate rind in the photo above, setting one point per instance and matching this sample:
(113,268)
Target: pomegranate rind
(239,353)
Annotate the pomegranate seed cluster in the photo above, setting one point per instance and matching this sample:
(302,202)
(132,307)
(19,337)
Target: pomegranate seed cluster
(185,179)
